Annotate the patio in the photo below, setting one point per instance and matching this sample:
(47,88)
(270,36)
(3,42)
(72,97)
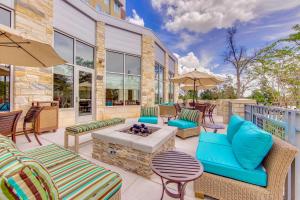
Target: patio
(134,187)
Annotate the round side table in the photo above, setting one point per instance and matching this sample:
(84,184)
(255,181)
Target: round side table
(176,167)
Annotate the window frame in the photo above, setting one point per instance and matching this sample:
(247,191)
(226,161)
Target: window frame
(159,80)
(74,65)
(11,68)
(124,74)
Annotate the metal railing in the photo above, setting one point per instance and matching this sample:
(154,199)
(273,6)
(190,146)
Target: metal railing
(283,123)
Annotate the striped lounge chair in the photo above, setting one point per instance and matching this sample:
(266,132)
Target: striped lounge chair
(149,115)
(52,172)
(188,123)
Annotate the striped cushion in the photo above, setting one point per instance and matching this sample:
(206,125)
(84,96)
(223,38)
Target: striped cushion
(94,125)
(189,115)
(26,184)
(49,159)
(77,178)
(12,166)
(6,142)
(149,111)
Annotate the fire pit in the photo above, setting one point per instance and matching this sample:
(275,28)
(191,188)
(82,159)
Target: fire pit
(140,129)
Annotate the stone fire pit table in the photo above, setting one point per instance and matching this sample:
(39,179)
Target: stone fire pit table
(132,152)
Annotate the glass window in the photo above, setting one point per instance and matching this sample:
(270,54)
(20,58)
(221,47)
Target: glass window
(5,17)
(133,65)
(98,8)
(159,83)
(114,89)
(114,62)
(63,85)
(64,46)
(132,90)
(116,7)
(106,2)
(84,55)
(171,87)
(85,93)
(122,87)
(4,88)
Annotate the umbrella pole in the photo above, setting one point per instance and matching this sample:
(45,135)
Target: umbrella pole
(194,93)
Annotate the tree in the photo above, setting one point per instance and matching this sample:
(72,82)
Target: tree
(278,65)
(241,60)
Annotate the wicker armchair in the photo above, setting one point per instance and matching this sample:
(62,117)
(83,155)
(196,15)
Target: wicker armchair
(277,164)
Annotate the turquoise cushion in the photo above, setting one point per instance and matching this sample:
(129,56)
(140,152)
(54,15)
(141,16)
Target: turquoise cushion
(182,124)
(250,145)
(214,138)
(150,120)
(235,123)
(220,160)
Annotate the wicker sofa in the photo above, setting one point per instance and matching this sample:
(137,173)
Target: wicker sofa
(52,172)
(188,123)
(226,178)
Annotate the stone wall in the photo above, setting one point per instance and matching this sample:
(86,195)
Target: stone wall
(237,107)
(148,63)
(35,20)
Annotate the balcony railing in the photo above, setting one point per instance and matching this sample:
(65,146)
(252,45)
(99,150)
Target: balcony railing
(283,123)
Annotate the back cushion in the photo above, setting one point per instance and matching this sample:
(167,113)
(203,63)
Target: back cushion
(250,145)
(149,111)
(22,177)
(189,115)
(235,123)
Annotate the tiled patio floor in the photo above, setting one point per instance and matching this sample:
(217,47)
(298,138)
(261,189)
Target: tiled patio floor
(134,187)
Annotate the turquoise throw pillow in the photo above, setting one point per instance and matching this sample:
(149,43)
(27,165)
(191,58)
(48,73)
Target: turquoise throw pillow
(235,123)
(250,145)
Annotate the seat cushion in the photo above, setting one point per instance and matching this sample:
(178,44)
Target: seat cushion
(220,160)
(75,177)
(150,120)
(182,124)
(149,111)
(215,138)
(235,123)
(250,145)
(94,125)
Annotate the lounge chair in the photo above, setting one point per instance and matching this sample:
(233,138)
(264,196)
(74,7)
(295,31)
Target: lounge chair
(149,115)
(188,123)
(240,165)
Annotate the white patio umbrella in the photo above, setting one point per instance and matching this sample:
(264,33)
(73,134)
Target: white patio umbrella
(20,51)
(191,87)
(196,78)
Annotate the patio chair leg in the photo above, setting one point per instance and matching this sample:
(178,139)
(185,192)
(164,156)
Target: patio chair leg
(37,139)
(25,132)
(199,195)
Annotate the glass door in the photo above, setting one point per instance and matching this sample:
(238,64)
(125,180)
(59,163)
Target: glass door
(84,96)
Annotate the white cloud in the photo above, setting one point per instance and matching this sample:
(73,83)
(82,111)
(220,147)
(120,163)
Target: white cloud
(201,16)
(186,40)
(136,19)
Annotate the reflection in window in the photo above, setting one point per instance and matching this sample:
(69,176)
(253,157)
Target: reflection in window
(64,46)
(84,55)
(5,17)
(63,85)
(122,87)
(114,89)
(159,83)
(116,7)
(98,8)
(4,88)
(85,93)
(171,87)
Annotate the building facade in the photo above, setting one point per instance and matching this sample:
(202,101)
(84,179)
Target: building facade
(113,67)
(116,8)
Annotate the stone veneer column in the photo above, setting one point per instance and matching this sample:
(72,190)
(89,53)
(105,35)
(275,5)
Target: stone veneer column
(166,79)
(148,62)
(35,20)
(176,87)
(100,70)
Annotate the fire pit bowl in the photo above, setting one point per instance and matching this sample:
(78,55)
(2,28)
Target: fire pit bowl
(140,129)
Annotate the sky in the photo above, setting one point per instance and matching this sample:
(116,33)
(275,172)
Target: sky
(195,30)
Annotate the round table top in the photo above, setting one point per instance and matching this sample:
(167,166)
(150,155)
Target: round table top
(214,126)
(176,166)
